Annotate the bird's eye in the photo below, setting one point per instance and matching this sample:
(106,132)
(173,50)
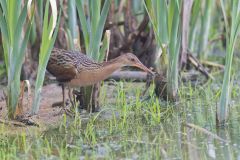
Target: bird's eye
(132,59)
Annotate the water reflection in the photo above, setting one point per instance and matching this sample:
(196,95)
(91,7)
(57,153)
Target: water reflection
(205,141)
(211,148)
(143,138)
(224,150)
(168,140)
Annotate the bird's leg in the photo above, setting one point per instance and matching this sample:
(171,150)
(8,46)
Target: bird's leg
(70,95)
(72,100)
(67,111)
(64,104)
(79,98)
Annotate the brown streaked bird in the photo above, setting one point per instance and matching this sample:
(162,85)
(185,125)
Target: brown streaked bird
(74,69)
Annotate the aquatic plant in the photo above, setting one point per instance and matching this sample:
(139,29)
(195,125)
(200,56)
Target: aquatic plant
(92,27)
(165,19)
(49,34)
(13,17)
(232,31)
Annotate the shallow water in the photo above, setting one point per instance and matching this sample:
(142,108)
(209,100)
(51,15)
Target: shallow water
(139,132)
(130,127)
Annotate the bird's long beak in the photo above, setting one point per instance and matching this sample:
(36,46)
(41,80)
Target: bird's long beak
(141,66)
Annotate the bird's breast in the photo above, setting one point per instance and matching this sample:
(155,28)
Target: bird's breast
(86,78)
(89,77)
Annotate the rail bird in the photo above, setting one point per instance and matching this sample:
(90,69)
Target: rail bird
(75,69)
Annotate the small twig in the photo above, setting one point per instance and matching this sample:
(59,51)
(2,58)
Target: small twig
(205,131)
(195,62)
(110,25)
(14,123)
(213,64)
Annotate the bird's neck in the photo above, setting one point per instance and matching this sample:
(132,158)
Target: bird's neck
(110,66)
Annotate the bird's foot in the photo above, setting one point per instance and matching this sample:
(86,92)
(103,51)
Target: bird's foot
(65,111)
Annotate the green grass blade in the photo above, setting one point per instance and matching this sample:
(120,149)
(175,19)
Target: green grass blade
(14,43)
(72,23)
(223,107)
(84,25)
(165,18)
(193,24)
(45,21)
(174,46)
(4,7)
(40,11)
(163,21)
(149,9)
(95,15)
(45,51)
(18,59)
(205,28)
(14,8)
(3,26)
(96,42)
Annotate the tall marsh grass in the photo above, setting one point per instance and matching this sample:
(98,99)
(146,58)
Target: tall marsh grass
(165,19)
(13,18)
(92,16)
(72,27)
(205,29)
(49,34)
(232,31)
(92,25)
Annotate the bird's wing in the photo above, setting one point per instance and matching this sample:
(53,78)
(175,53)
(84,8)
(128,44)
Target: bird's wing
(66,65)
(62,66)
(83,62)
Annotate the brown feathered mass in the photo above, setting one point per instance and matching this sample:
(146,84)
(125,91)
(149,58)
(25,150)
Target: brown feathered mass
(74,69)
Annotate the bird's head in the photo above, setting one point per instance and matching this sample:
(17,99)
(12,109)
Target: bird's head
(130,59)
